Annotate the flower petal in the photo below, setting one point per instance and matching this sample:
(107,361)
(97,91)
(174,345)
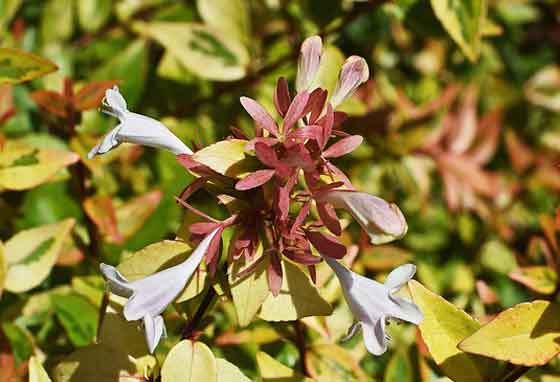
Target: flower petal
(354,72)
(153,293)
(154,328)
(108,142)
(375,338)
(399,276)
(114,103)
(406,310)
(116,282)
(309,61)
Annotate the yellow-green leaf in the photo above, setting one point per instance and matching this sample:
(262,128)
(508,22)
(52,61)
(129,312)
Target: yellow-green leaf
(230,17)
(330,362)
(97,363)
(205,51)
(541,279)
(19,66)
(399,368)
(298,298)
(248,292)
(57,20)
(42,166)
(543,88)
(228,372)
(527,334)
(443,328)
(273,371)
(32,253)
(329,68)
(189,361)
(226,157)
(36,371)
(464,21)
(92,14)
(158,256)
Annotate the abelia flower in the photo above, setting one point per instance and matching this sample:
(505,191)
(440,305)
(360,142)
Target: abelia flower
(354,72)
(309,61)
(373,303)
(134,128)
(382,221)
(148,297)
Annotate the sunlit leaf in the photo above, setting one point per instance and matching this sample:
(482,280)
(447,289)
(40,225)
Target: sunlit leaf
(226,157)
(19,66)
(464,21)
(132,215)
(228,372)
(526,334)
(248,292)
(189,361)
(328,362)
(20,341)
(543,88)
(37,372)
(92,14)
(272,371)
(399,368)
(298,298)
(203,50)
(443,328)
(31,254)
(78,317)
(541,279)
(228,16)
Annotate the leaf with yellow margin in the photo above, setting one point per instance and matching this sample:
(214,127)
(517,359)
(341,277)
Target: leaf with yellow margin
(19,66)
(36,371)
(527,334)
(189,361)
(443,328)
(228,372)
(31,254)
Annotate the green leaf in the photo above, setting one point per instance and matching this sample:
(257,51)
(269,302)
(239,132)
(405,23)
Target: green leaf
(189,361)
(20,342)
(228,372)
(496,256)
(298,298)
(226,157)
(273,371)
(18,66)
(205,51)
(57,21)
(231,17)
(526,334)
(248,292)
(464,21)
(32,253)
(541,279)
(36,371)
(8,9)
(92,14)
(77,316)
(399,368)
(130,68)
(159,256)
(443,327)
(330,362)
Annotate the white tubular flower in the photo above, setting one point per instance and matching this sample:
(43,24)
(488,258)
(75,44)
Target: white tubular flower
(373,303)
(309,61)
(383,222)
(354,72)
(134,128)
(148,297)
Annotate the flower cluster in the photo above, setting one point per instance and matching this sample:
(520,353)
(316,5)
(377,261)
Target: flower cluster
(287,205)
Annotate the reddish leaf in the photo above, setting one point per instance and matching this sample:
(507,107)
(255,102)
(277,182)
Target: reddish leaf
(489,127)
(302,257)
(255,179)
(90,96)
(259,115)
(327,121)
(52,102)
(275,274)
(282,96)
(303,212)
(100,210)
(339,117)
(486,294)
(343,146)
(316,104)
(202,228)
(200,169)
(250,146)
(327,245)
(266,154)
(520,154)
(327,214)
(238,133)
(296,110)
